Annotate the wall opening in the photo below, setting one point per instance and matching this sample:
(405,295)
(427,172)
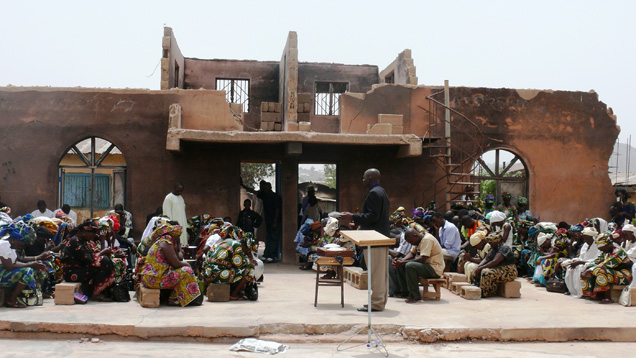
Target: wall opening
(236,91)
(500,171)
(327,98)
(92,177)
(322,179)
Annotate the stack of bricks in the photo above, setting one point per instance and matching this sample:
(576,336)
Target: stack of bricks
(387,124)
(304,112)
(271,118)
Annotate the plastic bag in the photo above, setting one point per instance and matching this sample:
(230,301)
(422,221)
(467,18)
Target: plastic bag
(259,346)
(626,297)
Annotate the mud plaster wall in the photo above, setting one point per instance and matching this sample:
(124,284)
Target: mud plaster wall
(288,82)
(37,126)
(171,56)
(359,79)
(564,138)
(263,77)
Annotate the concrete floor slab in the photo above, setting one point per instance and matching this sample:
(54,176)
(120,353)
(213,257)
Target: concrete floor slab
(285,307)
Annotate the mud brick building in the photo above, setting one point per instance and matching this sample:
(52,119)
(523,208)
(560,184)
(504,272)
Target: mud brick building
(58,144)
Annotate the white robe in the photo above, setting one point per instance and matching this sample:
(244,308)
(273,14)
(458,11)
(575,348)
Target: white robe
(631,252)
(174,207)
(573,275)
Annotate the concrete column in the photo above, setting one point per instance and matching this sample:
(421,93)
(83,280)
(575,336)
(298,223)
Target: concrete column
(289,192)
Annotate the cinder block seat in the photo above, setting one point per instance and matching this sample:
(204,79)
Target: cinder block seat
(510,289)
(65,291)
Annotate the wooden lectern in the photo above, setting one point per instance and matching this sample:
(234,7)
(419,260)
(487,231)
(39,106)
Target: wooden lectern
(370,239)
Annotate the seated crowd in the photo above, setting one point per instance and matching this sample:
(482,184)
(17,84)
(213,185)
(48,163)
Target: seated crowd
(36,253)
(492,246)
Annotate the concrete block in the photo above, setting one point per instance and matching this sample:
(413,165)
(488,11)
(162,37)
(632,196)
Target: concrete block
(304,98)
(218,292)
(397,130)
(632,293)
(148,297)
(307,107)
(3,296)
(357,278)
(278,126)
(237,108)
(380,128)
(303,117)
(395,119)
(454,277)
(456,287)
(470,292)
(304,126)
(270,126)
(64,293)
(272,106)
(270,117)
(510,289)
(291,127)
(264,107)
(277,107)
(615,292)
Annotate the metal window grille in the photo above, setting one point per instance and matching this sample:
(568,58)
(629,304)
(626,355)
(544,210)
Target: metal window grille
(327,98)
(236,91)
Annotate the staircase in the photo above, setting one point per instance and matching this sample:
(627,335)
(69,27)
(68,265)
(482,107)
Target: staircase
(458,162)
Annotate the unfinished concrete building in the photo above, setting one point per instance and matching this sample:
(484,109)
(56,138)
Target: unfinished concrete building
(212,115)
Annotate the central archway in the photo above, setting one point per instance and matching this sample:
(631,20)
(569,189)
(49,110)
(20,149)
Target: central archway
(499,171)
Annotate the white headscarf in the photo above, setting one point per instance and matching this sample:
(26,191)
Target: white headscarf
(589,231)
(497,216)
(542,237)
(629,227)
(331,227)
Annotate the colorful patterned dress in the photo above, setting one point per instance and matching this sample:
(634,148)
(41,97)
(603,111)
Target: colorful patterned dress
(159,274)
(84,263)
(608,269)
(506,271)
(9,278)
(227,263)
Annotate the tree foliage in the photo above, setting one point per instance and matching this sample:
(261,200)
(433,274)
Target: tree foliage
(330,175)
(252,173)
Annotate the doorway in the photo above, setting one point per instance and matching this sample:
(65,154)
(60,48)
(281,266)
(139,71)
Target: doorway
(321,179)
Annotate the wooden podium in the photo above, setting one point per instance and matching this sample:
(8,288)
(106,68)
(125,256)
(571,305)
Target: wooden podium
(368,239)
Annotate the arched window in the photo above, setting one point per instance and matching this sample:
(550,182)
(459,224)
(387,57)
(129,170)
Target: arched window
(92,177)
(501,171)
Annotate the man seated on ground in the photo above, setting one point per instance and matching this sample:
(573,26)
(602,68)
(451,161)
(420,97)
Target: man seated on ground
(425,260)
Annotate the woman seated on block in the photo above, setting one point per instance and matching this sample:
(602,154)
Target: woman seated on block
(232,261)
(473,258)
(551,262)
(611,267)
(498,267)
(163,268)
(15,273)
(85,262)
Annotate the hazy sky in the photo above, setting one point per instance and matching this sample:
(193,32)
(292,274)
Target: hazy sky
(560,45)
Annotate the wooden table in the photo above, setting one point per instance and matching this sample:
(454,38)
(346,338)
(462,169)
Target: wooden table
(332,258)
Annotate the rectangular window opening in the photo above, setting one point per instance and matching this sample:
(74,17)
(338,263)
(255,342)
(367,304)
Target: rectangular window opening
(236,91)
(327,98)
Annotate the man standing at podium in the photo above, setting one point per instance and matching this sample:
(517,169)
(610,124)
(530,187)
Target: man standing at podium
(375,216)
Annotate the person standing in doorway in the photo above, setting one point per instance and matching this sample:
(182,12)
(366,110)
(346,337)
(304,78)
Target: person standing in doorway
(175,208)
(375,216)
(248,219)
(272,204)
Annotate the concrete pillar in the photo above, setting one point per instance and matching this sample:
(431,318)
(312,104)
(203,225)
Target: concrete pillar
(289,189)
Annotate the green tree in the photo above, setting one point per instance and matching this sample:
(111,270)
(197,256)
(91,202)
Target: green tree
(252,173)
(330,175)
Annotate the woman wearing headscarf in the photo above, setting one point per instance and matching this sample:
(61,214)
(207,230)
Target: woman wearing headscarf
(611,267)
(17,274)
(85,262)
(480,249)
(507,207)
(231,261)
(498,267)
(574,267)
(558,252)
(499,225)
(164,270)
